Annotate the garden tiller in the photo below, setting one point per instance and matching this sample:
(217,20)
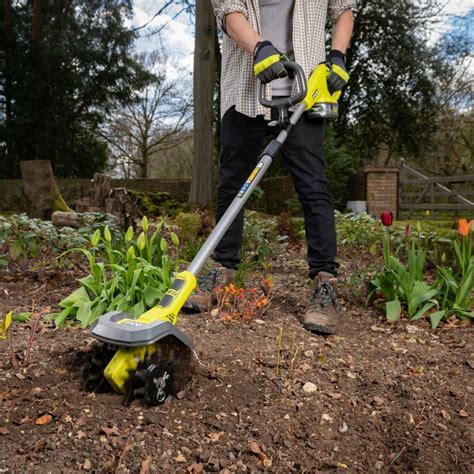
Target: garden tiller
(145,357)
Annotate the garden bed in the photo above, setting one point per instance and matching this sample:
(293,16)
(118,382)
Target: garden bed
(388,398)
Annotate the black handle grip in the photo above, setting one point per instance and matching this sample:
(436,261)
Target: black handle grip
(287,101)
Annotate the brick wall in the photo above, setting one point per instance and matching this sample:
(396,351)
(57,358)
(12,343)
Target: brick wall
(382,189)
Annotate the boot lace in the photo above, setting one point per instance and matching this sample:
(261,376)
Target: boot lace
(210,280)
(324,294)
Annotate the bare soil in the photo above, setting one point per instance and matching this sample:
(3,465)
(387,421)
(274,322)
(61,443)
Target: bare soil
(386,398)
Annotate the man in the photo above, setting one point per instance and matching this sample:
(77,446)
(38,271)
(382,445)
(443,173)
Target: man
(256,34)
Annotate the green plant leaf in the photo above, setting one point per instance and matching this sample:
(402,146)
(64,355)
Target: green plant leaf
(15,249)
(151,296)
(76,298)
(22,317)
(436,318)
(465,288)
(419,293)
(393,310)
(138,309)
(84,313)
(59,318)
(422,311)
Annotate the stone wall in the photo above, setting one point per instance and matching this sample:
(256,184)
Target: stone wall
(277,191)
(382,189)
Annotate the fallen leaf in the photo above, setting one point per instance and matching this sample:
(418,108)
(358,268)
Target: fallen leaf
(214,437)
(446,415)
(180,458)
(195,468)
(411,419)
(378,329)
(81,435)
(257,450)
(463,413)
(44,420)
(351,375)
(20,376)
(215,312)
(4,430)
(180,395)
(334,395)
(110,431)
(87,465)
(145,466)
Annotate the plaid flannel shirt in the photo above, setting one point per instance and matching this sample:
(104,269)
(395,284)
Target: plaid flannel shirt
(238,83)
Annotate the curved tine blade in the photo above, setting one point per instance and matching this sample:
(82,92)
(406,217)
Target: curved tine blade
(128,398)
(139,392)
(141,375)
(97,362)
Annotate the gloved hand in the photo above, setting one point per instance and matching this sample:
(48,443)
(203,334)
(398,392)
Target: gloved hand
(338,76)
(267,64)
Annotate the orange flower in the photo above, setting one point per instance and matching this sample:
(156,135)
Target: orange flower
(463,227)
(262,302)
(267,282)
(471,225)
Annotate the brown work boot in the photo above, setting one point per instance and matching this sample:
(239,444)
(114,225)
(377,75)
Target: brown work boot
(322,313)
(205,294)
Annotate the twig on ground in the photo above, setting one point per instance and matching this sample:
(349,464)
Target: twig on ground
(34,329)
(126,448)
(398,455)
(11,352)
(278,362)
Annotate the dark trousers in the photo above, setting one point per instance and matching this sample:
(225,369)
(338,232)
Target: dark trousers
(241,140)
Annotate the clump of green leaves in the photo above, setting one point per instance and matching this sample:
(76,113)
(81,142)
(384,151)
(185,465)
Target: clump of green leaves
(403,286)
(25,237)
(128,274)
(357,229)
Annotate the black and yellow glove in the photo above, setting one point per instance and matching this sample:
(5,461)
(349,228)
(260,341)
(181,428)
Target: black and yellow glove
(338,75)
(267,64)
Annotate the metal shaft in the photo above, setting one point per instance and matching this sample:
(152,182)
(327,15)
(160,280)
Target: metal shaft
(239,201)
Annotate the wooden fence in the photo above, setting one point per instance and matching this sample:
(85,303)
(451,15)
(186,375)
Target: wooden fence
(418,194)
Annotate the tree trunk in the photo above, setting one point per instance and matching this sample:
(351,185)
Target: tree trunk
(123,206)
(40,188)
(36,21)
(204,76)
(100,190)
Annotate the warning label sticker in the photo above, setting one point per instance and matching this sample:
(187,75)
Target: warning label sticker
(250,179)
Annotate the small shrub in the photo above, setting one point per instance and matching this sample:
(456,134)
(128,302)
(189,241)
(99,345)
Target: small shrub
(357,229)
(24,237)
